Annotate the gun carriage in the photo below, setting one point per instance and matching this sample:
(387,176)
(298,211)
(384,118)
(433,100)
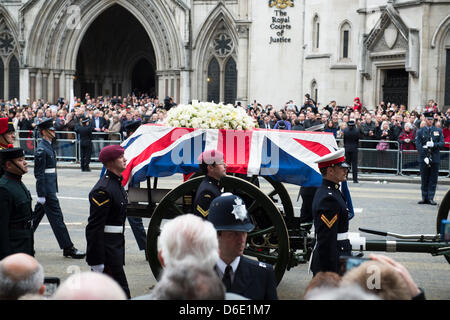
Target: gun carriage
(278,238)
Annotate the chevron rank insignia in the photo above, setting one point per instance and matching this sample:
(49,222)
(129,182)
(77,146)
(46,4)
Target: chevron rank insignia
(329,223)
(203,212)
(98,203)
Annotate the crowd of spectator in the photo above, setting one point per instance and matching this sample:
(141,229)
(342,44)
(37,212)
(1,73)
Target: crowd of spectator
(387,121)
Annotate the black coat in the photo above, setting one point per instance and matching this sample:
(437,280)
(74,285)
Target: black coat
(351,138)
(85,133)
(254,280)
(108,204)
(16,234)
(330,215)
(207,191)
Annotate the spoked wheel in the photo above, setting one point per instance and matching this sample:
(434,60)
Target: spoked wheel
(278,189)
(443,210)
(268,242)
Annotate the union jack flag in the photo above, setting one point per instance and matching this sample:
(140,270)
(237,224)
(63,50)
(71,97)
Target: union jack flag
(286,156)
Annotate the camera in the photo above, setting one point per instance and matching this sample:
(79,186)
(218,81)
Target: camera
(51,284)
(346,263)
(445,230)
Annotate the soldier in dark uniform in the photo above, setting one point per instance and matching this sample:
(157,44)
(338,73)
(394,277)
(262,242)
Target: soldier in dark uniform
(47,187)
(429,140)
(85,132)
(16,234)
(249,278)
(330,215)
(351,143)
(106,223)
(212,165)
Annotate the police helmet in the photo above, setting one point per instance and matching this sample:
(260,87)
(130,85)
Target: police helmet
(228,213)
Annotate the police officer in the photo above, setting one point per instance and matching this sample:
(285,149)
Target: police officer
(85,132)
(47,187)
(7,133)
(246,277)
(351,142)
(106,223)
(212,165)
(429,140)
(330,215)
(16,234)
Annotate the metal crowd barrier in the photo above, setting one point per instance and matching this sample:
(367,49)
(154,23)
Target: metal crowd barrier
(393,159)
(66,149)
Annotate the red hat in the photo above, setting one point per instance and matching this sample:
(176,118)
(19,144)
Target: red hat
(210,157)
(3,125)
(110,153)
(333,158)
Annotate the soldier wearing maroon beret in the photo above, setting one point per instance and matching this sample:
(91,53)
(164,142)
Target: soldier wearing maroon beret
(212,165)
(106,224)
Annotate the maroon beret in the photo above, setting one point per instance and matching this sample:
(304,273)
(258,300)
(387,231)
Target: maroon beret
(110,153)
(210,157)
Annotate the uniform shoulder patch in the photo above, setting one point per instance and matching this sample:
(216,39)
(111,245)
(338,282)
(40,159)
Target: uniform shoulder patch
(207,195)
(329,223)
(100,198)
(262,265)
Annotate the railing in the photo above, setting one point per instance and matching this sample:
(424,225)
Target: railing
(393,159)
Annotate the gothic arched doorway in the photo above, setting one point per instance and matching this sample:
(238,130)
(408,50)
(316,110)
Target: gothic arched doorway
(114,39)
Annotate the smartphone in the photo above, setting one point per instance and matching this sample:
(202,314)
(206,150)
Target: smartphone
(346,263)
(51,284)
(445,230)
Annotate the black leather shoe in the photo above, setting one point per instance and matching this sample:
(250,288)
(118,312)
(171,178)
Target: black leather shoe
(74,253)
(432,202)
(423,202)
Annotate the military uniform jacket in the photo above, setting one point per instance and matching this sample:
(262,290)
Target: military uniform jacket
(255,280)
(330,215)
(108,204)
(423,136)
(16,234)
(45,169)
(207,191)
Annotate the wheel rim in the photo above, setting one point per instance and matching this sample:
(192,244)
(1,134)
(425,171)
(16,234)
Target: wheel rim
(443,210)
(268,243)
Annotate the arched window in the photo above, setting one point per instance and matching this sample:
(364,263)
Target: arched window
(345,34)
(213,81)
(2,79)
(230,81)
(14,78)
(314,91)
(315,33)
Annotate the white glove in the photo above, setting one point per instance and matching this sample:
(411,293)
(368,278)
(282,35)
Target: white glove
(41,200)
(430,144)
(427,161)
(98,268)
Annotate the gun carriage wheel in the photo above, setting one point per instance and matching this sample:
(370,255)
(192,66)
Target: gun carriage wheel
(268,242)
(443,210)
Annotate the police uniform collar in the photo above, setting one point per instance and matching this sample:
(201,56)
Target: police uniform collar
(109,174)
(212,180)
(331,184)
(221,265)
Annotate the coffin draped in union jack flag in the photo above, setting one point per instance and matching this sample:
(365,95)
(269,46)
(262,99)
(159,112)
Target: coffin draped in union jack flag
(287,156)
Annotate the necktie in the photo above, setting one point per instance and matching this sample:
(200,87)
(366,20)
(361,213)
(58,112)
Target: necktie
(227,277)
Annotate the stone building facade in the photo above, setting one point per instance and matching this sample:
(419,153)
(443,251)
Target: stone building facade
(228,50)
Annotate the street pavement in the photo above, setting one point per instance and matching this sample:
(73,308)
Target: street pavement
(381,202)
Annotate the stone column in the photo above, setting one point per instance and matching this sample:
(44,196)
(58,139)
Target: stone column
(32,85)
(242,62)
(56,76)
